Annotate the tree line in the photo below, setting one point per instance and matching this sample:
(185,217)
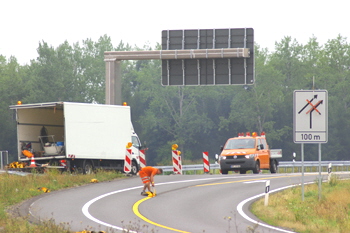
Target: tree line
(199,118)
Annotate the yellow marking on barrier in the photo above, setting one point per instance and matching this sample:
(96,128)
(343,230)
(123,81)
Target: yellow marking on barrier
(135,208)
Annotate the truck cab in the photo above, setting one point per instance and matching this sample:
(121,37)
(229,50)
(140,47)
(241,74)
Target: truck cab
(245,152)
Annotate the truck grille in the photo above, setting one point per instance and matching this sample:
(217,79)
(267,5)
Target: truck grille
(235,161)
(237,157)
(232,160)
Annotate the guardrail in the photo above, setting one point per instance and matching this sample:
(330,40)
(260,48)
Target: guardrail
(311,166)
(284,166)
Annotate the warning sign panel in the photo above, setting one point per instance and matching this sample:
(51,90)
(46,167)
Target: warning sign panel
(310,119)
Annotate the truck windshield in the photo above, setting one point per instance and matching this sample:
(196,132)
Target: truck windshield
(135,141)
(240,144)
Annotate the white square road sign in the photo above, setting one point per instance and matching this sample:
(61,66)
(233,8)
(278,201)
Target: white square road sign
(310,116)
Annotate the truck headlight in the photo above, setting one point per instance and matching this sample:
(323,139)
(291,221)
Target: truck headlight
(222,157)
(251,156)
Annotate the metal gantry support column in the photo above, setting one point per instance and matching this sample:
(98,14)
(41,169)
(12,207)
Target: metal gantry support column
(113,82)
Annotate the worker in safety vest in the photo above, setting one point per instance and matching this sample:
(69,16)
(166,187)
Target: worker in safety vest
(147,176)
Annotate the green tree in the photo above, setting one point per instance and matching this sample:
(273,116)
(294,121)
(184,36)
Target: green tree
(334,76)
(69,73)
(12,89)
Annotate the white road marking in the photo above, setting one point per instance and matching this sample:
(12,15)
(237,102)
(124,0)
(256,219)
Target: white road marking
(242,203)
(85,208)
(87,214)
(255,181)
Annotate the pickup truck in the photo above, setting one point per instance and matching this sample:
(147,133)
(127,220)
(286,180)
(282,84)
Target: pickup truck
(248,152)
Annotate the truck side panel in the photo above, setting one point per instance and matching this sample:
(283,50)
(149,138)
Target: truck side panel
(276,153)
(96,131)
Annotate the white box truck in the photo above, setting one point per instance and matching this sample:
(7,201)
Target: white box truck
(76,136)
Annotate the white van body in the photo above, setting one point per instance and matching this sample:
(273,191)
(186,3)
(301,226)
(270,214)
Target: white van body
(82,134)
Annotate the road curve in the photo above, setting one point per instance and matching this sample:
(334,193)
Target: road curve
(184,203)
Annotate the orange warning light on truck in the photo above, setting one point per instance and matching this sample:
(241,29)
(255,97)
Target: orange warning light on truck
(248,152)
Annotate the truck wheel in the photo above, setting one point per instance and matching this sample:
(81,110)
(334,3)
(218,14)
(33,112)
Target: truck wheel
(256,169)
(224,171)
(242,172)
(87,167)
(273,166)
(134,168)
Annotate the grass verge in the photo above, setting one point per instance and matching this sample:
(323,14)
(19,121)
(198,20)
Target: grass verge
(329,214)
(15,189)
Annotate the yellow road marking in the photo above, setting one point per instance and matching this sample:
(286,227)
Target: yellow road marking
(237,181)
(135,208)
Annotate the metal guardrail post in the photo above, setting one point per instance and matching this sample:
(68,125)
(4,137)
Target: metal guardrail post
(3,154)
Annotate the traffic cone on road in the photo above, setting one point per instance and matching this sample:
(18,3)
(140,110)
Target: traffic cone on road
(32,162)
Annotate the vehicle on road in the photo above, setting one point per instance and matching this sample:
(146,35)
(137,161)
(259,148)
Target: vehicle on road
(76,136)
(248,152)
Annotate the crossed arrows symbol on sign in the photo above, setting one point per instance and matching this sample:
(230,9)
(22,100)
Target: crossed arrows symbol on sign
(313,108)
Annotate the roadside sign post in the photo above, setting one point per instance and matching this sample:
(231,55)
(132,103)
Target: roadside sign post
(310,123)
(302,171)
(267,190)
(319,172)
(329,170)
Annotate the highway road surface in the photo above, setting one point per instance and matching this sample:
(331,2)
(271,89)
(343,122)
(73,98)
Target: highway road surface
(184,203)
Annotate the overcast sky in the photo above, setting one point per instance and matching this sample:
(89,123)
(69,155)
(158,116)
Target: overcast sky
(24,23)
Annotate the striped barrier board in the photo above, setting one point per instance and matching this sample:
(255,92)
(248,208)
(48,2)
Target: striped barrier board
(177,164)
(142,159)
(127,161)
(206,164)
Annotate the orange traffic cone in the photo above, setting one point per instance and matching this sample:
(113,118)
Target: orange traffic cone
(32,162)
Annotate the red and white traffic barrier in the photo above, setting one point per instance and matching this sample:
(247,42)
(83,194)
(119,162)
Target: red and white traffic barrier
(206,162)
(142,159)
(177,164)
(127,161)
(32,162)
(63,162)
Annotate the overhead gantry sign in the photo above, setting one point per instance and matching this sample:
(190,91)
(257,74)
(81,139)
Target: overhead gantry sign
(210,59)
